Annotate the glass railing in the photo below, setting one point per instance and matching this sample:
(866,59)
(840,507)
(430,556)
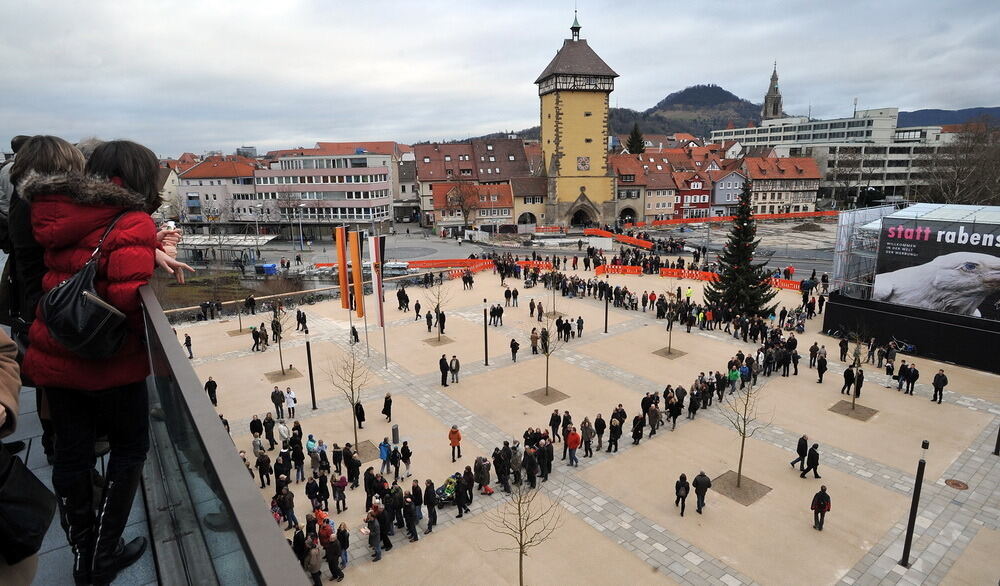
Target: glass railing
(207,520)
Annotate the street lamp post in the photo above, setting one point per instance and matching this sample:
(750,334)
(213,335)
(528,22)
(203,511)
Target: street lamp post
(905,561)
(302,245)
(486,337)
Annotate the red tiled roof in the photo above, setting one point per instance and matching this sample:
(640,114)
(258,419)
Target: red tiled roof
(628,165)
(521,186)
(781,168)
(343,149)
(502,150)
(684,136)
(436,169)
(660,181)
(683,179)
(505,199)
(217,167)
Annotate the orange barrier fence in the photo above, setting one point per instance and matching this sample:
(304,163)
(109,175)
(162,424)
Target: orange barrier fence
(533,264)
(634,241)
(597,232)
(709,276)
(445,263)
(789,216)
(549,229)
(618,270)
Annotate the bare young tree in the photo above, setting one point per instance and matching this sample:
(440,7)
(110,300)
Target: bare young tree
(524,518)
(437,297)
(549,344)
(965,170)
(464,198)
(350,376)
(740,410)
(279,326)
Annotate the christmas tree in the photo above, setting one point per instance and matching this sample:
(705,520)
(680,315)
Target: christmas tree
(742,284)
(636,144)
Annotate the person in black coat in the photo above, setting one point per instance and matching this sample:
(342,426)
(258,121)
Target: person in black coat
(384,526)
(638,424)
(462,496)
(802,449)
(445,369)
(359,414)
(821,367)
(812,462)
(410,518)
(848,381)
(299,543)
(430,500)
(332,549)
(387,407)
(911,378)
(681,490)
(599,427)
(256,426)
(859,380)
(614,433)
(701,485)
(820,507)
(939,383)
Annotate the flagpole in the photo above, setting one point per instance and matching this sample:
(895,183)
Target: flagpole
(368,351)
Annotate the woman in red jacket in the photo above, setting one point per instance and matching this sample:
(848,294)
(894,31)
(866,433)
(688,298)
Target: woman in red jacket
(69,214)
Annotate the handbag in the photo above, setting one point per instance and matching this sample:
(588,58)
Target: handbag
(78,318)
(26,509)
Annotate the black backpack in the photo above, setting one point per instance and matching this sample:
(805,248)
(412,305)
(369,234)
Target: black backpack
(78,318)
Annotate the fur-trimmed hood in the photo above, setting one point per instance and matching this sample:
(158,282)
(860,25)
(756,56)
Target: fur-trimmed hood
(82,189)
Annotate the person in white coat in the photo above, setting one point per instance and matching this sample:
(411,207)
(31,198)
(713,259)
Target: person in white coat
(290,402)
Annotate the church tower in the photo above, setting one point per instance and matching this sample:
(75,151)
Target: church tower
(574,91)
(772,100)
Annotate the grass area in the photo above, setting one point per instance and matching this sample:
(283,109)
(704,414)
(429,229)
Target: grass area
(224,286)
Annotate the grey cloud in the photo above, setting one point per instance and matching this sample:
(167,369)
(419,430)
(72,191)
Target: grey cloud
(193,76)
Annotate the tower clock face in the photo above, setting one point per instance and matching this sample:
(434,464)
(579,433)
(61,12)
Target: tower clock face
(583,163)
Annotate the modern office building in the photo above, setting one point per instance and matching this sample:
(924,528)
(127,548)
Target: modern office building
(867,150)
(331,184)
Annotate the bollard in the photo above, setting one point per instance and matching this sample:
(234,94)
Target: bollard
(395,433)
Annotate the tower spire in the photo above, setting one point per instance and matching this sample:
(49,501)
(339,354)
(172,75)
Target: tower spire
(575,29)
(772,100)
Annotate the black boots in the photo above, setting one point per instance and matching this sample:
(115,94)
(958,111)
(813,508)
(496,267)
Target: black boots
(111,553)
(76,512)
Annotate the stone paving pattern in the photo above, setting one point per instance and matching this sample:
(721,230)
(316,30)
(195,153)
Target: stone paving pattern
(948,519)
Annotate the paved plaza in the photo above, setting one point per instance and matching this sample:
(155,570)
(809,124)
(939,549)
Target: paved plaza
(618,521)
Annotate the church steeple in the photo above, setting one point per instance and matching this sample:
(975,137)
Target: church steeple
(772,100)
(575,29)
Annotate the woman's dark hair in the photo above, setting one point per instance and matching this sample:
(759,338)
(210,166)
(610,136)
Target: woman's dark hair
(133,164)
(45,155)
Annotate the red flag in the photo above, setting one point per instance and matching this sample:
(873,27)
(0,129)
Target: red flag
(345,292)
(354,242)
(376,244)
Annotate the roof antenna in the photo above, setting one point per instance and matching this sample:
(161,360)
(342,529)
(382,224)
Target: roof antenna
(855,115)
(809,114)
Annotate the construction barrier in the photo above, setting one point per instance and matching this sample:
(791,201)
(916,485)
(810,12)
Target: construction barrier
(710,276)
(446,263)
(597,232)
(634,241)
(549,229)
(534,264)
(618,270)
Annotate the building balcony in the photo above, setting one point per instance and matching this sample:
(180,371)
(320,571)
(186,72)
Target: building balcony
(203,518)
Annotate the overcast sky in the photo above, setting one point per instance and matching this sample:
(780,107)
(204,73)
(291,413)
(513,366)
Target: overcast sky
(195,76)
